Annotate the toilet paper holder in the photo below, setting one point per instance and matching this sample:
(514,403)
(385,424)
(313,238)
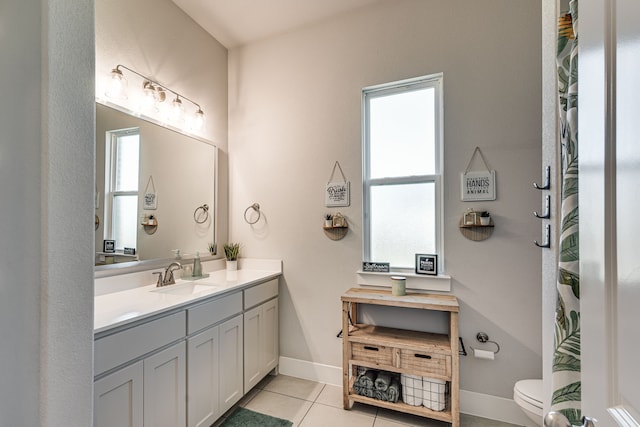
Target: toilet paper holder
(484,338)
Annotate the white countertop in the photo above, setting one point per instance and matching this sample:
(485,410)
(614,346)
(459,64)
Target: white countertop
(127,306)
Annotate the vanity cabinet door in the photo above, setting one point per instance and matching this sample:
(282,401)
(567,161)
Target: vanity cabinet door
(231,346)
(271,343)
(261,342)
(165,388)
(203,378)
(118,398)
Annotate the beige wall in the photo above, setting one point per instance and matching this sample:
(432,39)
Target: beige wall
(158,40)
(294,109)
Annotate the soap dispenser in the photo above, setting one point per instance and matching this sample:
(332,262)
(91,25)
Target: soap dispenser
(197,266)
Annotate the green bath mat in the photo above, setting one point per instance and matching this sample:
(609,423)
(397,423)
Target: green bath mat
(245,418)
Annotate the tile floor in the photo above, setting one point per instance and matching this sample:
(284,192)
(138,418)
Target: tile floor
(311,404)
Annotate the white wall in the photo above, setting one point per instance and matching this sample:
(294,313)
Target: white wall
(46,171)
(158,40)
(294,109)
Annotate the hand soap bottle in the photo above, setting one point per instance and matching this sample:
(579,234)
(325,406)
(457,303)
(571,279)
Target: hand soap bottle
(197,266)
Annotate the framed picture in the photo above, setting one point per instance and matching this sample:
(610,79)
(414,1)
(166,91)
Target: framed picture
(150,201)
(109,246)
(478,186)
(427,264)
(337,194)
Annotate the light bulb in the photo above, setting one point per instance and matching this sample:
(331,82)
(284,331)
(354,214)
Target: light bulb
(198,120)
(177,110)
(149,97)
(117,88)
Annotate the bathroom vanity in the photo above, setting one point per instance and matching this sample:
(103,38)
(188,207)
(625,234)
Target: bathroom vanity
(401,351)
(183,354)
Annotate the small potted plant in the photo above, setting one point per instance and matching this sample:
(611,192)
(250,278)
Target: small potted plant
(231,252)
(328,220)
(212,248)
(485,218)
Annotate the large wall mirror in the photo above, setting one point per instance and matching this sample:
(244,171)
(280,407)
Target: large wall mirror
(155,191)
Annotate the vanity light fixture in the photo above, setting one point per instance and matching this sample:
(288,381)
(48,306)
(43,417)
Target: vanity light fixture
(153,95)
(117,88)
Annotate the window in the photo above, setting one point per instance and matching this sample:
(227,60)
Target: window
(123,154)
(402,170)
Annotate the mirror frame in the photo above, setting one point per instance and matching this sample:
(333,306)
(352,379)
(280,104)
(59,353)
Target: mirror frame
(144,265)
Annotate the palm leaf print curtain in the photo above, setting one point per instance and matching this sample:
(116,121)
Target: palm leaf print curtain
(566,359)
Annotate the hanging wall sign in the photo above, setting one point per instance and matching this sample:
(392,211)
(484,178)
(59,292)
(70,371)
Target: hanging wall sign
(150,201)
(477,185)
(337,192)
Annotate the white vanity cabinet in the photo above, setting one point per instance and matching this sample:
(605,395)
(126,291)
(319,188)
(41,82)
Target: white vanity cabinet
(150,391)
(164,387)
(119,398)
(214,356)
(189,363)
(261,332)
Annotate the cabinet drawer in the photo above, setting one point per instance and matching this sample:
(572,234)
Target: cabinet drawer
(378,354)
(119,348)
(260,293)
(426,363)
(210,313)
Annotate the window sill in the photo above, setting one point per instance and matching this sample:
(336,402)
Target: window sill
(418,282)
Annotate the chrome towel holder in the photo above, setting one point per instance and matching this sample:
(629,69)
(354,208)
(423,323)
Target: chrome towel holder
(200,212)
(256,208)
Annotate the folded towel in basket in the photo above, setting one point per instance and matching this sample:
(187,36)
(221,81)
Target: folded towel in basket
(411,389)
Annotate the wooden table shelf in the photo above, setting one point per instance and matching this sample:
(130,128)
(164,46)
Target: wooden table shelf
(401,351)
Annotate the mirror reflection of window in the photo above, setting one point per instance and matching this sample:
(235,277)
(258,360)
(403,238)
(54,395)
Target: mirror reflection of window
(121,192)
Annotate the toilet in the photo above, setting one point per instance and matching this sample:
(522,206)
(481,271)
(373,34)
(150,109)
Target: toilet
(528,395)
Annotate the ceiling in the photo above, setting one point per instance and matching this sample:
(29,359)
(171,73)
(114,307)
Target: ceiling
(237,22)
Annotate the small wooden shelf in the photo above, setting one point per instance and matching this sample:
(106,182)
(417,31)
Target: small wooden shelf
(477,232)
(335,233)
(400,350)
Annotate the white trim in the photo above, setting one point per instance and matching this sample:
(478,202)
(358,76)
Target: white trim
(472,403)
(310,371)
(436,82)
(420,282)
(493,407)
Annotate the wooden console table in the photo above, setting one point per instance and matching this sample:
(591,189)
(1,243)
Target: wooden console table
(400,350)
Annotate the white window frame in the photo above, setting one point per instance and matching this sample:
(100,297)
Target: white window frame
(431,81)
(110,178)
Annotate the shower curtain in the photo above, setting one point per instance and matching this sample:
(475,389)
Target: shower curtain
(566,359)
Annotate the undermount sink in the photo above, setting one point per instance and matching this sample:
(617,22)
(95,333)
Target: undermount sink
(184,289)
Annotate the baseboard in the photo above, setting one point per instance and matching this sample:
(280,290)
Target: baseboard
(311,371)
(479,404)
(493,407)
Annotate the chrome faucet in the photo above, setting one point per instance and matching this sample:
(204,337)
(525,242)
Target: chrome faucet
(168,278)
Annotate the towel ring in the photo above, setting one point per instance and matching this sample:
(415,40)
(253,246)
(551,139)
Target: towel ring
(205,211)
(255,207)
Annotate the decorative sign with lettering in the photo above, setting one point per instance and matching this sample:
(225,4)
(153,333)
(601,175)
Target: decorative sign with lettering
(337,192)
(109,246)
(375,267)
(478,185)
(150,200)
(427,264)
